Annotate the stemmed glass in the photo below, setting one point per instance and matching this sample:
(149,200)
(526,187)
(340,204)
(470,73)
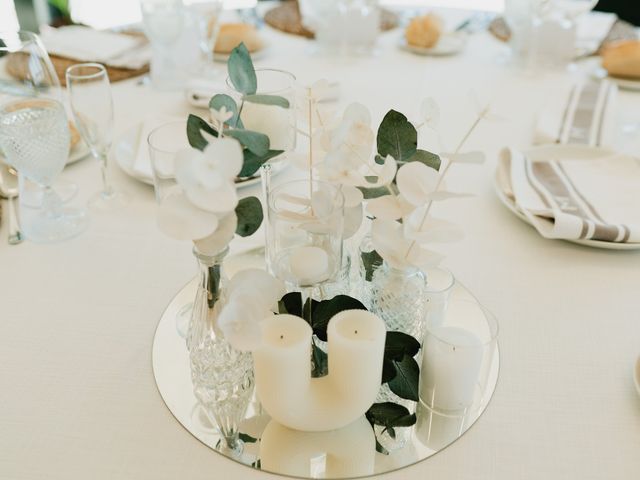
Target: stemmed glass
(35,138)
(92,107)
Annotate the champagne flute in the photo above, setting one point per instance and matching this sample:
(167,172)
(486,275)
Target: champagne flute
(92,107)
(35,138)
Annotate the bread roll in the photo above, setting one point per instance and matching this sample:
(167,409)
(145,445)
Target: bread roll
(232,34)
(622,59)
(424,31)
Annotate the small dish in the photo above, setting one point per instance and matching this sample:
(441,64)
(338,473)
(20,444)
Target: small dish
(600,73)
(450,43)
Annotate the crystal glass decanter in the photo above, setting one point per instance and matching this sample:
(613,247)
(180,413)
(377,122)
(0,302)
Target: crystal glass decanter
(222,376)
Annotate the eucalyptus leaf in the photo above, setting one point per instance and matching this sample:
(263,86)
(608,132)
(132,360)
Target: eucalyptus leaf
(405,383)
(195,125)
(246,438)
(371,178)
(252,162)
(276,100)
(222,100)
(389,371)
(250,216)
(320,362)
(291,303)
(241,71)
(388,414)
(326,309)
(399,344)
(381,449)
(370,261)
(374,192)
(256,142)
(429,159)
(397,137)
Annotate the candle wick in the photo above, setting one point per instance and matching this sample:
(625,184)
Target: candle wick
(356,332)
(281,337)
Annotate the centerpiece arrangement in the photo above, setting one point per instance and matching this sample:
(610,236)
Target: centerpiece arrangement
(325,334)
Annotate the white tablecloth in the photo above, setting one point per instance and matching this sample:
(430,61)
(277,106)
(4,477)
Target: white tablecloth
(77,394)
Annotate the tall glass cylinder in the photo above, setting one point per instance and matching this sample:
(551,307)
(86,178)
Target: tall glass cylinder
(222,376)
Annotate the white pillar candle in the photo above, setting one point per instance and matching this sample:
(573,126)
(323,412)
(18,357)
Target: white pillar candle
(283,371)
(436,431)
(272,120)
(347,452)
(309,265)
(451,361)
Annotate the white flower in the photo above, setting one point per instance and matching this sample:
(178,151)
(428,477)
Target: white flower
(389,207)
(221,116)
(180,219)
(388,239)
(385,173)
(430,113)
(417,182)
(250,297)
(212,243)
(207,177)
(353,134)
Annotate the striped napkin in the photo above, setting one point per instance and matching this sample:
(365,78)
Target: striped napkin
(582,114)
(594,199)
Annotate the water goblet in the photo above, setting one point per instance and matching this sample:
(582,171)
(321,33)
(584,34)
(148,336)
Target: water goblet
(35,138)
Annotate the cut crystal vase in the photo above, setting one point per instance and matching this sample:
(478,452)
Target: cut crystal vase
(222,376)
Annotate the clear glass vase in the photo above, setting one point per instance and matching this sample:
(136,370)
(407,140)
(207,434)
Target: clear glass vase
(222,376)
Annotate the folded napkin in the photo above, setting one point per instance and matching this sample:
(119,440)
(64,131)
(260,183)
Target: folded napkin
(142,161)
(594,199)
(582,113)
(88,45)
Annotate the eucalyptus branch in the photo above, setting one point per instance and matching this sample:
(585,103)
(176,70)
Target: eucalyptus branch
(310,149)
(450,162)
(366,164)
(239,112)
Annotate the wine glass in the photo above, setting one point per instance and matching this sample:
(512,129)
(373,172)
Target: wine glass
(164,22)
(35,137)
(90,97)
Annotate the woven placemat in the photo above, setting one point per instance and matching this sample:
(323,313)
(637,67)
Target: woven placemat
(17,67)
(286,17)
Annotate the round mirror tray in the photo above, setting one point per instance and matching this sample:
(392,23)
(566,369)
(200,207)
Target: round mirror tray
(350,452)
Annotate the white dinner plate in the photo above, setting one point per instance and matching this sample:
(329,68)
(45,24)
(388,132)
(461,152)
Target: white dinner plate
(600,73)
(557,152)
(636,375)
(124,153)
(448,44)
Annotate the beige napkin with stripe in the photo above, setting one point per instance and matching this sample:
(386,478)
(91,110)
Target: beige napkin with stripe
(594,199)
(579,114)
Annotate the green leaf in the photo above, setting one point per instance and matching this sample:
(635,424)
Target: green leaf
(246,438)
(241,71)
(375,192)
(371,178)
(255,142)
(222,100)
(429,159)
(381,449)
(276,100)
(405,383)
(399,344)
(320,362)
(397,137)
(326,309)
(291,303)
(252,162)
(389,371)
(195,125)
(371,261)
(388,415)
(250,216)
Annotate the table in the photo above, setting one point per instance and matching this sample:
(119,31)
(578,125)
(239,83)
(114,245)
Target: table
(77,394)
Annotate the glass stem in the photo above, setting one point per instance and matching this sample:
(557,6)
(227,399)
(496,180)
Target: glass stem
(107,190)
(51,202)
(265,175)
